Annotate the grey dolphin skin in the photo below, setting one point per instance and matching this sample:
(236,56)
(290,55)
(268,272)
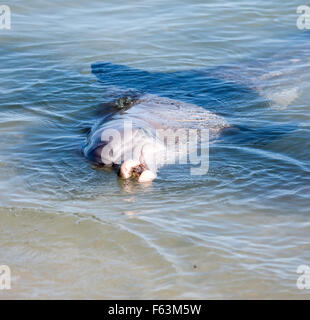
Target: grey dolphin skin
(145,115)
(199,99)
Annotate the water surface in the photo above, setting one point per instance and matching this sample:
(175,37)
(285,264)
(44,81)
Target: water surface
(69,230)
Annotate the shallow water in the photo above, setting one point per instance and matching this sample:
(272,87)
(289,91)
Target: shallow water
(69,230)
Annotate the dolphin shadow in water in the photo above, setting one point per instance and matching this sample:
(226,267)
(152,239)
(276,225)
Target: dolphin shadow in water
(228,91)
(211,88)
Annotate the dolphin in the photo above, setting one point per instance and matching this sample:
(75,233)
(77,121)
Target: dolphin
(146,113)
(151,101)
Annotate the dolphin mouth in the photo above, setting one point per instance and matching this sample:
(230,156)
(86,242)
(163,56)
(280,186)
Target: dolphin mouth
(137,171)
